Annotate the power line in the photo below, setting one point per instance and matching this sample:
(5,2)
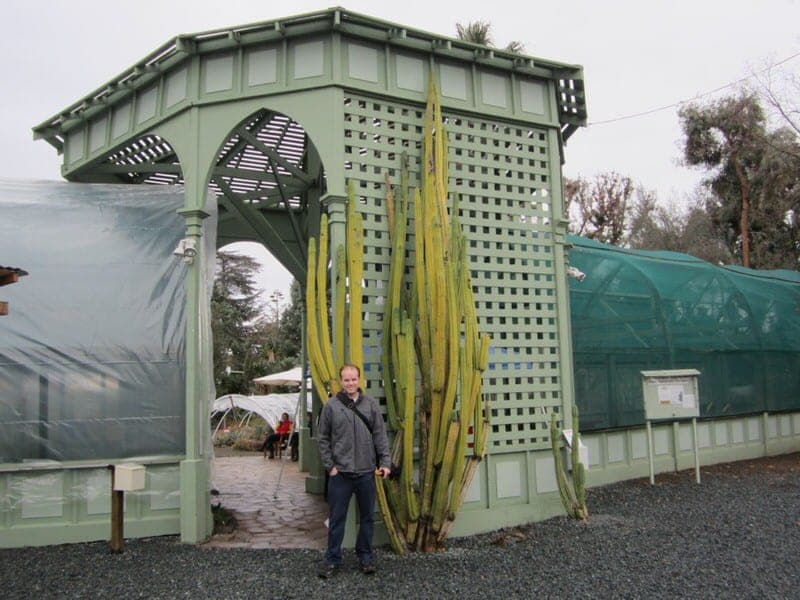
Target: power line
(703,95)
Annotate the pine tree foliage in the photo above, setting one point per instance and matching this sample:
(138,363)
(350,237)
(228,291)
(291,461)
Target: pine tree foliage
(251,338)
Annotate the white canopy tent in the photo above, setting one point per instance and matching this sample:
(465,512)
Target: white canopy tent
(290,377)
(269,407)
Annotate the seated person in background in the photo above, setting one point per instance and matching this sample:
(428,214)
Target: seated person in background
(294,440)
(282,431)
(294,445)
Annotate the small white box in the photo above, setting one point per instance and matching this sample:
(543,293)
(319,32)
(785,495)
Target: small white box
(128,477)
(583,451)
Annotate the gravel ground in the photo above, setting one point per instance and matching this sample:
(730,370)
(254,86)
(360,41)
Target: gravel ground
(735,536)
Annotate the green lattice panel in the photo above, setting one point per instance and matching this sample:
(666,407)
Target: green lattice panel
(376,133)
(502,173)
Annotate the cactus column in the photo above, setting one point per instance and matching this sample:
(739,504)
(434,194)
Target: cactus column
(437,323)
(573,495)
(430,316)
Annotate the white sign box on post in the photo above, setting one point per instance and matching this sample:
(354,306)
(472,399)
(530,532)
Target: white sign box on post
(671,395)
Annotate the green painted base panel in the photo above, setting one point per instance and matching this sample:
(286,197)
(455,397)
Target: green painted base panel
(468,522)
(621,455)
(47,535)
(509,489)
(617,456)
(472,522)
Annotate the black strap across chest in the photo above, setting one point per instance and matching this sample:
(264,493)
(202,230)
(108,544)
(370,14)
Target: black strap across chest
(348,402)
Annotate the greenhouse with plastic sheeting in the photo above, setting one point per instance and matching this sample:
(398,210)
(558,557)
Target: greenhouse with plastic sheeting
(639,310)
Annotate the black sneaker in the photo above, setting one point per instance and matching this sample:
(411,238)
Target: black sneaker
(368,568)
(326,571)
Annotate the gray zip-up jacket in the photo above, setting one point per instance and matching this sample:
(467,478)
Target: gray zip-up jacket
(345,441)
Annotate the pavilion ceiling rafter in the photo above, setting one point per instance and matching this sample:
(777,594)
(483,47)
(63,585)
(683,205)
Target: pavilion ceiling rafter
(261,178)
(148,159)
(264,162)
(265,229)
(267,198)
(235,145)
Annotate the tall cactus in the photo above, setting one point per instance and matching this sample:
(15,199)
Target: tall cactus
(326,355)
(355,275)
(439,317)
(573,494)
(430,337)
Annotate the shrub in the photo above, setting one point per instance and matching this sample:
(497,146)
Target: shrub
(249,437)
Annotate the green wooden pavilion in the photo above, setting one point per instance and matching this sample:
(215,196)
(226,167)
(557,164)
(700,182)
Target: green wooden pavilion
(273,118)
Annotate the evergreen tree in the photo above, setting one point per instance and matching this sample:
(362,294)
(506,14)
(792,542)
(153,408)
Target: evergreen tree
(251,338)
(234,307)
(612,209)
(754,178)
(290,328)
(654,226)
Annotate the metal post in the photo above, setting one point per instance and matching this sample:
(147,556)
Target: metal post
(302,429)
(696,451)
(676,444)
(650,452)
(289,441)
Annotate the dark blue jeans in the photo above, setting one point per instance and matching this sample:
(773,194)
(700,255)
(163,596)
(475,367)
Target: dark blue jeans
(341,488)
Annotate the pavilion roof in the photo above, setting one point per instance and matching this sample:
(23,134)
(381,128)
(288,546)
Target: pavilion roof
(177,49)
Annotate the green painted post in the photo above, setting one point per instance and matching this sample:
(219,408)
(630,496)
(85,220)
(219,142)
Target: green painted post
(195,502)
(559,228)
(336,207)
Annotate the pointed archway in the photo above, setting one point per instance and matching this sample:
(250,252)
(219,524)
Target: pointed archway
(268,179)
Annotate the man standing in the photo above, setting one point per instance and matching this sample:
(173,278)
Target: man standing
(351,437)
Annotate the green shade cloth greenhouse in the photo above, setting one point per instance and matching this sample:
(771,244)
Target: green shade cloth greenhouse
(640,310)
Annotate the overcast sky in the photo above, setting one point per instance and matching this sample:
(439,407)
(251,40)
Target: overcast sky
(638,55)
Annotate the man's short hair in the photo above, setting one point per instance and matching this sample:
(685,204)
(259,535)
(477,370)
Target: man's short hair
(349,366)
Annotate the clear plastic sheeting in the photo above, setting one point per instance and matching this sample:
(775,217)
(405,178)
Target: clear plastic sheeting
(92,352)
(51,494)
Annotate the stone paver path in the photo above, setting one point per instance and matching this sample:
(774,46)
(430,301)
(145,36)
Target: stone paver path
(268,515)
